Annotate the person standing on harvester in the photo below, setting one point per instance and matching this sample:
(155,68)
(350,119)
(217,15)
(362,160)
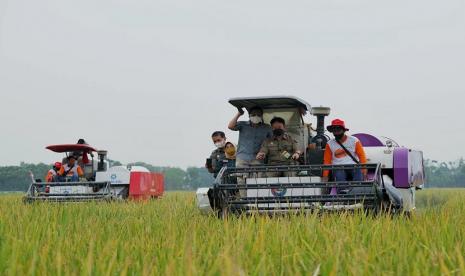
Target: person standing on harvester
(252,133)
(344,150)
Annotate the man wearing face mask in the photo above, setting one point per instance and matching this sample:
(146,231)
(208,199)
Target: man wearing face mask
(344,150)
(281,148)
(215,162)
(252,133)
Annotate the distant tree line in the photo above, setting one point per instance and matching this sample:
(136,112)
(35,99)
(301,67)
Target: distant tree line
(17,178)
(445,175)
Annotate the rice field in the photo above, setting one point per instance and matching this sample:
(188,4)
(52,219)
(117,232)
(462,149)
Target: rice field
(170,237)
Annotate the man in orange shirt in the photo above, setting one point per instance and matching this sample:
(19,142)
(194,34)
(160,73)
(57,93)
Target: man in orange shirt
(52,173)
(71,169)
(344,150)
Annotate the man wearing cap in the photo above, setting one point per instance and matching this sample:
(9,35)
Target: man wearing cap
(52,173)
(344,150)
(71,169)
(281,148)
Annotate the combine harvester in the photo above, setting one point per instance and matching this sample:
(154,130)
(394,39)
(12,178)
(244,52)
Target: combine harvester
(394,172)
(100,181)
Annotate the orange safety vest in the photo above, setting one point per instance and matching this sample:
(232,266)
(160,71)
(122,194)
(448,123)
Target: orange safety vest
(76,170)
(336,155)
(49,177)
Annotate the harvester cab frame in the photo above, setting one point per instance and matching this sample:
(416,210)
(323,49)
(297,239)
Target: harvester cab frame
(291,109)
(82,153)
(394,173)
(100,182)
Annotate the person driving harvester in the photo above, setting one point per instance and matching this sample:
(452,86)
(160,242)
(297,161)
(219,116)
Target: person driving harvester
(71,170)
(344,150)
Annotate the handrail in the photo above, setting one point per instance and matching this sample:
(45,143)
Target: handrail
(60,184)
(228,171)
(265,168)
(33,193)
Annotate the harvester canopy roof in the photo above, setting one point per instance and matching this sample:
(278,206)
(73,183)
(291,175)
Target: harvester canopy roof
(271,102)
(71,148)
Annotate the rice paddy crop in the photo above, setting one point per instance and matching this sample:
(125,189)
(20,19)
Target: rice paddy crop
(170,237)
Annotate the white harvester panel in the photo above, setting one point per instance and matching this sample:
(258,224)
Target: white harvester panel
(139,169)
(72,189)
(381,155)
(273,193)
(116,175)
(203,202)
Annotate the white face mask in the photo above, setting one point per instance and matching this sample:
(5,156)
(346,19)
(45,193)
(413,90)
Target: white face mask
(220,145)
(256,119)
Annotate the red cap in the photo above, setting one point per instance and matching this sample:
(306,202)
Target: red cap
(337,123)
(58,165)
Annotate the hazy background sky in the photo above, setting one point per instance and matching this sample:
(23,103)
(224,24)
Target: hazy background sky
(149,80)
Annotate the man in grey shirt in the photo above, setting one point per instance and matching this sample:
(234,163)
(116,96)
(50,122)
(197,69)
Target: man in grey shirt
(252,133)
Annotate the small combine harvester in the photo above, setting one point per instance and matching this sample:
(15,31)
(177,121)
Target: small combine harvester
(394,172)
(100,181)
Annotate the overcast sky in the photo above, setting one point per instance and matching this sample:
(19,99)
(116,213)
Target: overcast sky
(149,80)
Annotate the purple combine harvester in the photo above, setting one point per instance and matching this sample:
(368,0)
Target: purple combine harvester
(394,172)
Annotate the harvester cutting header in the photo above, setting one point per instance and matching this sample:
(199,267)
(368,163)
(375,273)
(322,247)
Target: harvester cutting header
(299,168)
(80,177)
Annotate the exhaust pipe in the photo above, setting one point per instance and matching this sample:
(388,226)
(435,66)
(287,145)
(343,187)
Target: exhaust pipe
(102,156)
(320,113)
